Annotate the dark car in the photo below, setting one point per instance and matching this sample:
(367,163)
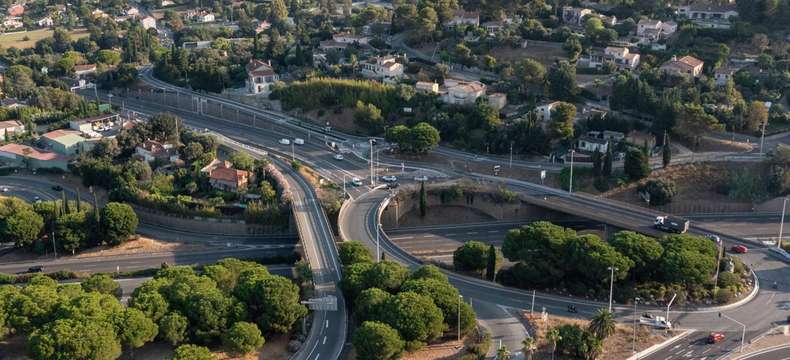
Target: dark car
(392,185)
(35,269)
(57,188)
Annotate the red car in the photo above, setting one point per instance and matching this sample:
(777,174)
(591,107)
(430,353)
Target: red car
(715,337)
(739,249)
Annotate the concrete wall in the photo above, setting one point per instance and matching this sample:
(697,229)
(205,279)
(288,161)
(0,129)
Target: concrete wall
(206,225)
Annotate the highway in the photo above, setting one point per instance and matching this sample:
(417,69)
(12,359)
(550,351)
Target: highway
(365,205)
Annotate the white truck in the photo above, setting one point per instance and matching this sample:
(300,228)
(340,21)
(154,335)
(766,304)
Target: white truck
(658,322)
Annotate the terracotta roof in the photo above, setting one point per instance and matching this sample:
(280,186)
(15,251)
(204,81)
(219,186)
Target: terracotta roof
(259,68)
(59,133)
(85,67)
(9,124)
(227,174)
(24,150)
(691,61)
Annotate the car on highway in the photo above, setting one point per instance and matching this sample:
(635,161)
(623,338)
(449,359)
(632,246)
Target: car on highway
(739,249)
(356,181)
(57,188)
(285,141)
(714,238)
(35,269)
(421,178)
(658,322)
(715,337)
(338,157)
(299,141)
(36,199)
(5,189)
(389,178)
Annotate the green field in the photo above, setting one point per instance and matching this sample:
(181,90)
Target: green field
(27,39)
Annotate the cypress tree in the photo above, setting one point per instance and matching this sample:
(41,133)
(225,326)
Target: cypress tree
(607,164)
(79,202)
(65,202)
(492,265)
(667,152)
(596,162)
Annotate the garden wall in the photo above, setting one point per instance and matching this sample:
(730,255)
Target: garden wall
(208,225)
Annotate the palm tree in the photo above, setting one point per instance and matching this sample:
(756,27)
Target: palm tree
(602,324)
(502,353)
(553,336)
(528,347)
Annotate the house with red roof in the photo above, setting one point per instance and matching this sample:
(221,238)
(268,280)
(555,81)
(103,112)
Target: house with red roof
(23,155)
(151,150)
(227,178)
(260,77)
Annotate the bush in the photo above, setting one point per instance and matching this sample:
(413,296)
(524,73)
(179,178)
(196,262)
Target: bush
(243,338)
(471,256)
(728,279)
(661,191)
(724,295)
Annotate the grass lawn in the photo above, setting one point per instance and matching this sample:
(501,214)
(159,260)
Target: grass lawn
(27,39)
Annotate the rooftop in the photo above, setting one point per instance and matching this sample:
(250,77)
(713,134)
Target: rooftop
(228,174)
(24,150)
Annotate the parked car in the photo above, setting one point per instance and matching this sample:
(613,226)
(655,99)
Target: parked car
(285,141)
(392,185)
(299,141)
(389,178)
(421,178)
(739,249)
(57,188)
(36,199)
(356,181)
(338,157)
(715,337)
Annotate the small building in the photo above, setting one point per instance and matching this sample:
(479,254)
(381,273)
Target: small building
(497,100)
(98,13)
(348,38)
(260,77)
(90,126)
(64,142)
(132,12)
(427,87)
(13,23)
(227,178)
(11,128)
(45,21)
(23,155)
(684,66)
(707,11)
(461,17)
(493,27)
(148,22)
(262,26)
(724,74)
(650,31)
(12,103)
(574,15)
(382,67)
(543,110)
(461,92)
(151,150)
(16,10)
(85,69)
(592,144)
(620,56)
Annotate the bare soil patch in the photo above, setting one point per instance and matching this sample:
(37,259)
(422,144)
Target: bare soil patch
(343,121)
(545,52)
(616,347)
(718,145)
(443,215)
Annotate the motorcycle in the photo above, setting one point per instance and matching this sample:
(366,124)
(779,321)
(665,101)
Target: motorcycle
(572,309)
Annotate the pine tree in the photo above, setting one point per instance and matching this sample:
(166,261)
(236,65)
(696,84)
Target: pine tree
(607,164)
(667,151)
(423,200)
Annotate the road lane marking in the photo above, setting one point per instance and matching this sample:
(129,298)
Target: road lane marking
(402,237)
(324,342)
(327,324)
(472,233)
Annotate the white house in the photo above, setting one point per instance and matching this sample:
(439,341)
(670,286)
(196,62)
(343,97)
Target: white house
(205,17)
(151,150)
(700,11)
(620,56)
(592,144)
(12,23)
(132,12)
(427,87)
(11,127)
(461,17)
(45,22)
(649,30)
(348,38)
(148,22)
(86,69)
(543,111)
(723,74)
(460,92)
(260,77)
(574,15)
(382,67)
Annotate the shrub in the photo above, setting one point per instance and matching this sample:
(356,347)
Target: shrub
(661,191)
(724,295)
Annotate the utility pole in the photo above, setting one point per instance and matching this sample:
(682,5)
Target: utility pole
(762,137)
(378,252)
(54,249)
(372,178)
(511,154)
(611,286)
(743,333)
(532,307)
(633,342)
(718,262)
(670,304)
(781,223)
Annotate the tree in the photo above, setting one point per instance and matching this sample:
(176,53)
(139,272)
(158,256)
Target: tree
(562,116)
(75,339)
(643,250)
(272,300)
(530,71)
(493,263)
(173,328)
(367,118)
(423,200)
(369,305)
(377,341)
(573,47)
(118,222)
(666,152)
(687,259)
(19,81)
(602,324)
(636,164)
(419,139)
(135,329)
(102,283)
(561,81)
(661,191)
(502,353)
(386,275)
(607,162)
(242,161)
(693,122)
(596,160)
(415,317)
(193,352)
(471,256)
(447,299)
(22,227)
(278,12)
(429,272)
(756,116)
(528,347)
(352,252)
(553,336)
(243,338)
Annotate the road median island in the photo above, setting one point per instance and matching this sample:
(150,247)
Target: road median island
(763,345)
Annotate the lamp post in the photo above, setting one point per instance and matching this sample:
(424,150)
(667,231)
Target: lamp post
(743,333)
(570,182)
(670,304)
(372,177)
(511,155)
(633,342)
(782,223)
(611,286)
(718,263)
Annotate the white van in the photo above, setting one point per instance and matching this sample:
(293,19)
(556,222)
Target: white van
(299,141)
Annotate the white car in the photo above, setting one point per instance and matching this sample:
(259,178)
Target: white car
(285,141)
(338,157)
(421,178)
(356,181)
(299,141)
(5,189)
(389,178)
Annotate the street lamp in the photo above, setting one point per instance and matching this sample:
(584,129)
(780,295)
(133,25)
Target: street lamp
(782,223)
(611,286)
(570,185)
(633,343)
(460,297)
(743,333)
(372,177)
(718,264)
